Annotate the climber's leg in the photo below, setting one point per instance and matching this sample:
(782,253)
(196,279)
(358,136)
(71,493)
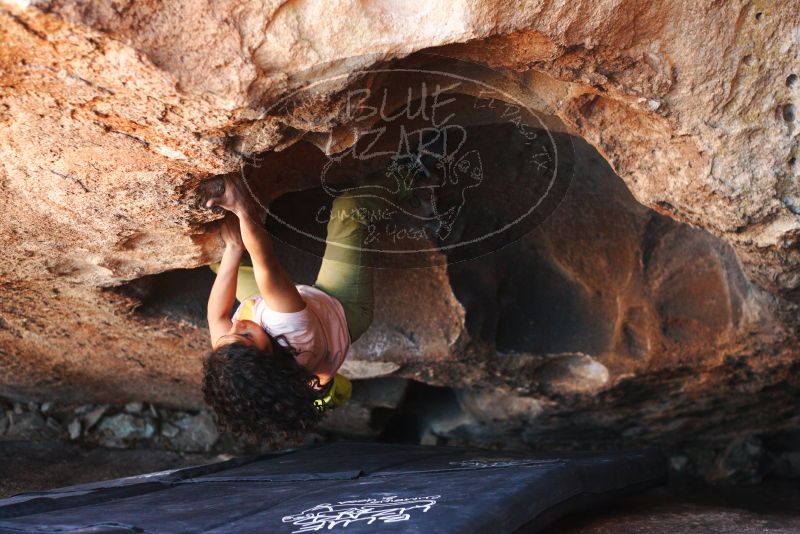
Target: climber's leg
(343,273)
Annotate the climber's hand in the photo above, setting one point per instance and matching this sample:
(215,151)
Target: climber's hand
(230,233)
(234,198)
(225,194)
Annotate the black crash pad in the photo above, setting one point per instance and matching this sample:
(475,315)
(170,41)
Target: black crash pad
(343,487)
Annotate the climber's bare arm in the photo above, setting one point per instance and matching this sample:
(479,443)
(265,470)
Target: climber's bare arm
(223,292)
(274,284)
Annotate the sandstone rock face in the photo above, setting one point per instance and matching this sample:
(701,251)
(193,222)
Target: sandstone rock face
(659,301)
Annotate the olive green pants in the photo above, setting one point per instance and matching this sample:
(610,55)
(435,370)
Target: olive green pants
(343,273)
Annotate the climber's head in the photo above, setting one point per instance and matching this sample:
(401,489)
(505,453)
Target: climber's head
(247,333)
(259,393)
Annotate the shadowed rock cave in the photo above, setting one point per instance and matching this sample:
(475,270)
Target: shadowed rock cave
(602,288)
(581,327)
(603,275)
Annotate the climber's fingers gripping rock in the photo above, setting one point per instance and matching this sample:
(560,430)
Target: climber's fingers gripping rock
(235,198)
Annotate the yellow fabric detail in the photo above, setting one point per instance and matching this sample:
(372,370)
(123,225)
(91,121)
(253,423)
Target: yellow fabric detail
(246,312)
(340,393)
(245,281)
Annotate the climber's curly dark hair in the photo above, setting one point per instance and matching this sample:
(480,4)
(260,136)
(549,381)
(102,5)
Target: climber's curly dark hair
(260,394)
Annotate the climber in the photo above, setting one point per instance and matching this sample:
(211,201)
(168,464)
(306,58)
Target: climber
(273,365)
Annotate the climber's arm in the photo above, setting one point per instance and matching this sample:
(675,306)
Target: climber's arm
(223,292)
(276,288)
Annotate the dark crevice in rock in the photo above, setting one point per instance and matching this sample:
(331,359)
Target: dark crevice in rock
(603,275)
(416,417)
(180,295)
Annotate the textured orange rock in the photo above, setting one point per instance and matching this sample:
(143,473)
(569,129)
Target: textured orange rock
(113,115)
(702,109)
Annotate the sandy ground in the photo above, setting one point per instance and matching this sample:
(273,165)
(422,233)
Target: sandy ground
(28,466)
(683,507)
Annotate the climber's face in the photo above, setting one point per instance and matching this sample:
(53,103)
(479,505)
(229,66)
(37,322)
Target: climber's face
(246,333)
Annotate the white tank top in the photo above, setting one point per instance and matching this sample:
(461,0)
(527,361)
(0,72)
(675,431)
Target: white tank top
(318,332)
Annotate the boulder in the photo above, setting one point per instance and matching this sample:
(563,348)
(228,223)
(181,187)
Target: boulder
(123,429)
(195,433)
(656,302)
